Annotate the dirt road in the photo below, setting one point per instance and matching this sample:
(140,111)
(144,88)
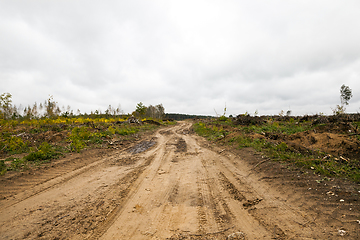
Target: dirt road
(172,185)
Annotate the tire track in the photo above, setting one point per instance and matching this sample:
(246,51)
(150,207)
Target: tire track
(137,201)
(46,182)
(177,189)
(131,180)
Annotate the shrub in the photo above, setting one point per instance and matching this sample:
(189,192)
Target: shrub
(44,152)
(77,137)
(13,144)
(76,145)
(222,118)
(126,131)
(16,163)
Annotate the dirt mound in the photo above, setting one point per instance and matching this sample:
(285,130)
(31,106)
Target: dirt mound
(336,144)
(51,136)
(335,135)
(341,127)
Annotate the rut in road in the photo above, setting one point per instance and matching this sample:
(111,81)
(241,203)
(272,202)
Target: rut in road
(192,192)
(177,189)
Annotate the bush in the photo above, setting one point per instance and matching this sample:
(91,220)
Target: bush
(77,137)
(12,144)
(77,145)
(126,131)
(44,152)
(222,118)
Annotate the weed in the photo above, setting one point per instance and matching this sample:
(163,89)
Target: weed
(111,130)
(78,137)
(126,130)
(3,167)
(15,163)
(212,133)
(12,144)
(76,145)
(83,132)
(44,152)
(223,118)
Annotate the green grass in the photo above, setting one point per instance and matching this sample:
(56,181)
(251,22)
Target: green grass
(211,133)
(287,128)
(11,144)
(44,152)
(3,167)
(17,137)
(319,162)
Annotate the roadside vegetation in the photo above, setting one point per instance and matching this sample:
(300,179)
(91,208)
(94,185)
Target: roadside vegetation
(327,145)
(42,134)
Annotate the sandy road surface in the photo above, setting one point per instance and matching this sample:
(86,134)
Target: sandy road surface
(179,188)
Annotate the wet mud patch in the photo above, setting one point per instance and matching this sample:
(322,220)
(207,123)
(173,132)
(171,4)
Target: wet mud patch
(181,145)
(141,147)
(184,131)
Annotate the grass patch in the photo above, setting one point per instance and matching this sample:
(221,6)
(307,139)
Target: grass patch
(319,162)
(50,138)
(270,126)
(211,133)
(44,152)
(12,144)
(3,167)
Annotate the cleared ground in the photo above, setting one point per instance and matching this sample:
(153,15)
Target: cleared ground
(174,185)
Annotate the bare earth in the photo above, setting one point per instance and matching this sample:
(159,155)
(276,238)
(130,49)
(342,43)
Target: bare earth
(175,185)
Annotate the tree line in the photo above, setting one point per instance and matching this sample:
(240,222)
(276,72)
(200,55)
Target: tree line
(179,116)
(51,109)
(151,111)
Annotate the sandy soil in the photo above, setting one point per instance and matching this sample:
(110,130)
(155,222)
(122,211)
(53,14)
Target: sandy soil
(175,185)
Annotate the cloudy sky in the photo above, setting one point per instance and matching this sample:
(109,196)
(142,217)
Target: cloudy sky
(191,56)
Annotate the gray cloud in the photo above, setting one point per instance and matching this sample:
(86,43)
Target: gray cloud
(192,56)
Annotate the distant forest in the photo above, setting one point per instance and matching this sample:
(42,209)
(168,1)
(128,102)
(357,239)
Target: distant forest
(51,109)
(179,116)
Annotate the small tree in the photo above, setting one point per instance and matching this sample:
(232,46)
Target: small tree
(160,111)
(51,108)
(151,111)
(5,105)
(345,96)
(140,109)
(118,110)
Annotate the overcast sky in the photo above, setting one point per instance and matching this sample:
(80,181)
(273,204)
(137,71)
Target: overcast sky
(191,56)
